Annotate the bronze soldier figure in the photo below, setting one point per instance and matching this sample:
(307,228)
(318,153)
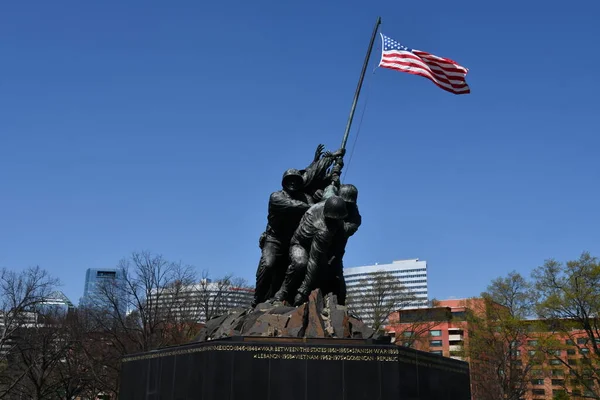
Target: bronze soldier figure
(286,208)
(301,189)
(334,281)
(319,174)
(310,247)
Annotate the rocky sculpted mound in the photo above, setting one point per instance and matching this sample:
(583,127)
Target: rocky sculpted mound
(318,318)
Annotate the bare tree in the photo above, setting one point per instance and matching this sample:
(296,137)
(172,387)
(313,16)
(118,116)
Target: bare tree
(141,305)
(41,348)
(377,296)
(92,365)
(20,294)
(216,297)
(153,303)
(140,309)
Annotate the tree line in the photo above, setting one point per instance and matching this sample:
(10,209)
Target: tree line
(47,353)
(542,327)
(525,329)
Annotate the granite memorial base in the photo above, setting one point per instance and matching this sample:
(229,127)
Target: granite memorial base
(269,368)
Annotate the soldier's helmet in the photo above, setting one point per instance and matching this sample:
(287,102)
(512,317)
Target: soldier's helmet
(348,192)
(335,208)
(292,179)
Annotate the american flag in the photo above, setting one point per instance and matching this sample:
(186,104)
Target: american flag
(445,73)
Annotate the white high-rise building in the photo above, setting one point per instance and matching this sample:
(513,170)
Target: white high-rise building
(201,301)
(412,274)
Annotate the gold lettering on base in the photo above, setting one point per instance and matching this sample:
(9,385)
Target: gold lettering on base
(320,353)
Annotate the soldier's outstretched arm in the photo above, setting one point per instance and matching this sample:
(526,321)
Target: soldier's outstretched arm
(282,203)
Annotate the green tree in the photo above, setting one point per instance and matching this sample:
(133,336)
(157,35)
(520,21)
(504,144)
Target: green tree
(497,328)
(569,297)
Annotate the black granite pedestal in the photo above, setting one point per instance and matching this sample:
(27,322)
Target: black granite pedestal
(248,368)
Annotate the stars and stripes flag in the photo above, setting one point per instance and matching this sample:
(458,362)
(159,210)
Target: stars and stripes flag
(445,73)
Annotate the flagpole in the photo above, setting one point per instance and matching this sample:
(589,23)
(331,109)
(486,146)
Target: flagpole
(360,82)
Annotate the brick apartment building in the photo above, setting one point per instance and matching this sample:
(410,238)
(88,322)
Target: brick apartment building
(444,330)
(440,330)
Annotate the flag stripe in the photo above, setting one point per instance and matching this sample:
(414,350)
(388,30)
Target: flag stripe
(445,66)
(441,77)
(443,72)
(426,74)
(417,60)
(440,60)
(412,64)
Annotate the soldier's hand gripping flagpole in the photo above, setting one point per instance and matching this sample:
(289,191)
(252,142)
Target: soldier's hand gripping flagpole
(337,168)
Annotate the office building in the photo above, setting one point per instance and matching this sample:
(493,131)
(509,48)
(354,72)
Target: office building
(411,274)
(97,279)
(56,302)
(440,329)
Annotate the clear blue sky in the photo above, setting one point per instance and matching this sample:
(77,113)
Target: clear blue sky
(165,126)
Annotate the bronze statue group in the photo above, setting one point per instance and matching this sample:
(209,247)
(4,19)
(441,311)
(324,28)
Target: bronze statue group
(308,226)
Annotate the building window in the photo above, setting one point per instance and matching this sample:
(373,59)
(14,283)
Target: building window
(557,372)
(407,333)
(558,382)
(109,274)
(570,342)
(582,341)
(554,361)
(584,351)
(571,352)
(435,333)
(459,315)
(540,392)
(532,342)
(438,352)
(435,343)
(537,381)
(531,352)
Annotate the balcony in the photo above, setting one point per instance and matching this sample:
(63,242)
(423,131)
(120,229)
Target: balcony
(455,348)
(455,337)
